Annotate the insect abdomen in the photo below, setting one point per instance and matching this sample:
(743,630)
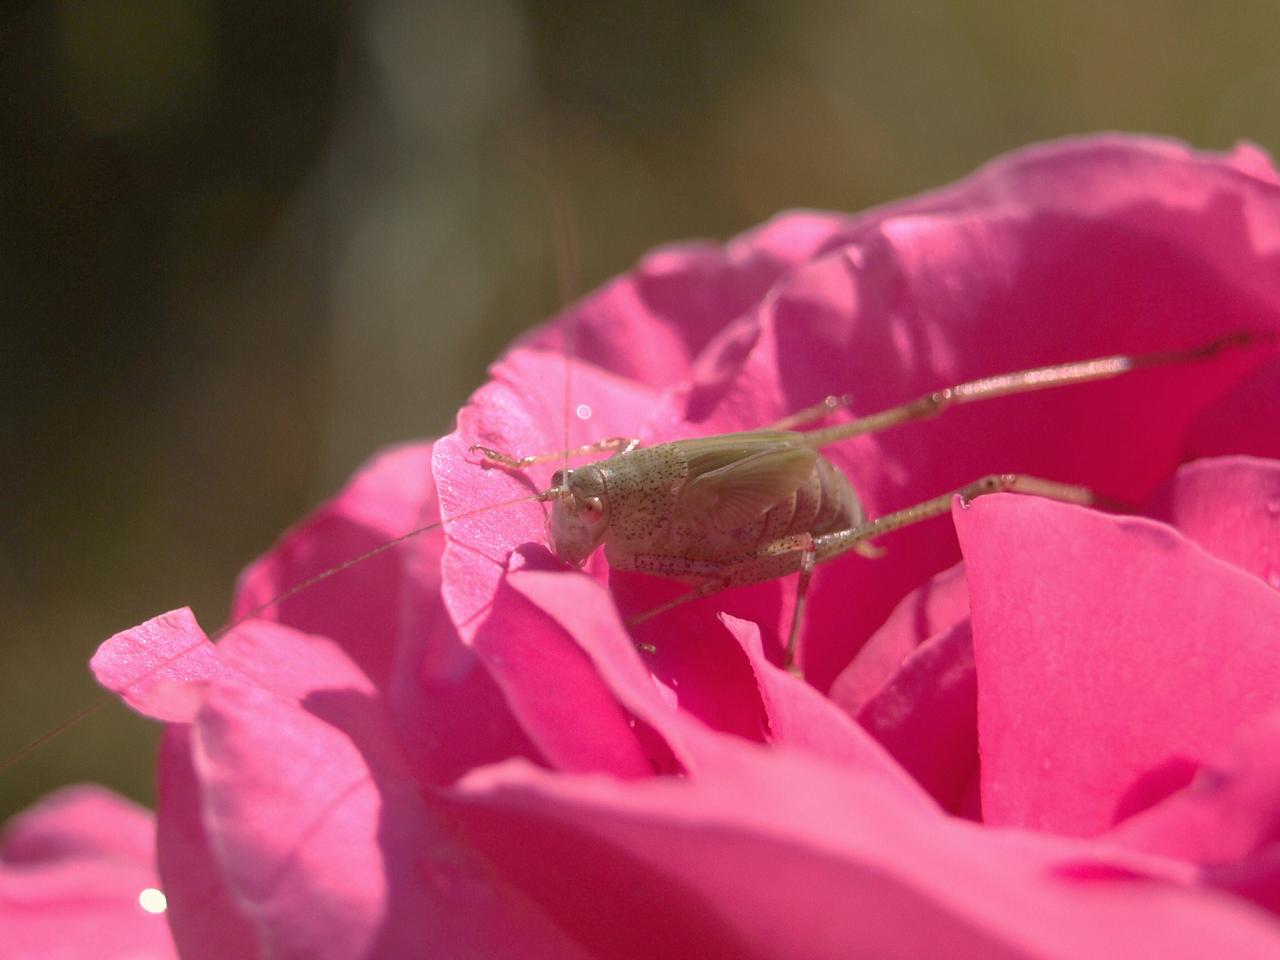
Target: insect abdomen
(823,503)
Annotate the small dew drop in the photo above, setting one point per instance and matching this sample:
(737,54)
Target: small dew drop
(583,411)
(1272,576)
(153,900)
(1273,507)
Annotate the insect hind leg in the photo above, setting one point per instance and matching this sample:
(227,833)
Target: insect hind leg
(1023,381)
(813,414)
(831,545)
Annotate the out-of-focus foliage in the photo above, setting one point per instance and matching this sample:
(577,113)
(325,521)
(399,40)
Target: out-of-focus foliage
(243,244)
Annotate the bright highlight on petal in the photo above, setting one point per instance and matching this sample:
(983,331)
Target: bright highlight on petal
(153,900)
(584,411)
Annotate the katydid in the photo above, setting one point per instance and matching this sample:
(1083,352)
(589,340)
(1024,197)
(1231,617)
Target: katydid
(742,508)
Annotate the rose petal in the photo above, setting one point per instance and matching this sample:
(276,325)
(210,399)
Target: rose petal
(1106,649)
(691,653)
(1229,811)
(821,864)
(328,843)
(926,716)
(155,665)
(555,692)
(72,869)
(650,324)
(162,666)
(75,822)
(1231,507)
(389,496)
(207,919)
(793,713)
(1230,426)
(1227,819)
(209,916)
(927,611)
(450,714)
(797,715)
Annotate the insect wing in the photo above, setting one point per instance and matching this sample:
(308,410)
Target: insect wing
(741,491)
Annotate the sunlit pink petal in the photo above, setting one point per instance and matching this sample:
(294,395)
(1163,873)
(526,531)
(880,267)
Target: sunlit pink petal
(555,691)
(159,666)
(449,713)
(979,297)
(1111,653)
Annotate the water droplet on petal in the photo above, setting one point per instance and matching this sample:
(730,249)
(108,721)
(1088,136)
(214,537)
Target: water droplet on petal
(153,900)
(583,411)
(1273,507)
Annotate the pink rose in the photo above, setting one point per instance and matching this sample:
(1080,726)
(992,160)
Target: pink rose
(1065,747)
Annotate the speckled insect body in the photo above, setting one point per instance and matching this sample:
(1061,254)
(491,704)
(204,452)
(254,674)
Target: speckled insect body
(731,507)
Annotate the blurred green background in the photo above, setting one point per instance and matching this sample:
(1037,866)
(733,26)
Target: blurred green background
(244,244)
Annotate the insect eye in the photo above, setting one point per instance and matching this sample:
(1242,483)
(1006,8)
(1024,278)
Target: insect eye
(593,507)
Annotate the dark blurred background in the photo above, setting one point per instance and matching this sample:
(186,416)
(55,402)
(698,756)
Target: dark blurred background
(244,244)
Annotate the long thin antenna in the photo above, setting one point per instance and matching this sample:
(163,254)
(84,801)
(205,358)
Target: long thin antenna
(564,244)
(93,706)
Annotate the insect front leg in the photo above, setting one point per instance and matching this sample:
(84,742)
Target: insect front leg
(615,446)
